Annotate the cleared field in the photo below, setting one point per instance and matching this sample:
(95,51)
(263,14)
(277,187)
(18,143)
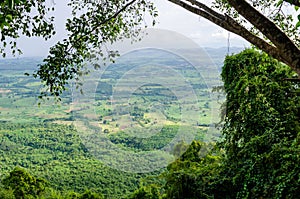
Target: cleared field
(144,89)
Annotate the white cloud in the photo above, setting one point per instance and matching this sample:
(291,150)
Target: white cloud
(171,17)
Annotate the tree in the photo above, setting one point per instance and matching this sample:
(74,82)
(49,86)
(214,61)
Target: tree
(269,25)
(194,174)
(275,32)
(146,192)
(262,129)
(93,24)
(90,195)
(23,184)
(17,18)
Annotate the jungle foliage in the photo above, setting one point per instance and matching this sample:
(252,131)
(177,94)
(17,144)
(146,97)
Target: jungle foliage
(56,154)
(262,130)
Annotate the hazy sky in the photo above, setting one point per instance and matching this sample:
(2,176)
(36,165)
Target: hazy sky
(171,17)
(205,33)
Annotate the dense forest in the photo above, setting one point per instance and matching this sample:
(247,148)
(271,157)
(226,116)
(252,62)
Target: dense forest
(257,155)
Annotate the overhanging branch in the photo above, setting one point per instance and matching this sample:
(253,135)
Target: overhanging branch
(227,23)
(288,50)
(283,49)
(262,23)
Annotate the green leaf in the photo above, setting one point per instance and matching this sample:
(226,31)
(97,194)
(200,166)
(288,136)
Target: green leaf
(9,17)
(298,24)
(279,3)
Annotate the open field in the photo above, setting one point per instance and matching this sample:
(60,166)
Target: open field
(143,93)
(143,89)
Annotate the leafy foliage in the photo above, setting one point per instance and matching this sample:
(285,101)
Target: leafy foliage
(22,17)
(90,195)
(277,11)
(93,25)
(194,174)
(55,153)
(20,184)
(146,192)
(23,184)
(261,126)
(102,23)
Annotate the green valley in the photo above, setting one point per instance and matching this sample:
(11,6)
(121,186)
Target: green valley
(52,140)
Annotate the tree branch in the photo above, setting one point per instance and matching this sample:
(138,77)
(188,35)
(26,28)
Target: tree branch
(283,49)
(286,47)
(229,24)
(267,27)
(118,12)
(205,8)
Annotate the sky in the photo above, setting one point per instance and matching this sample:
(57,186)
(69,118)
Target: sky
(203,32)
(171,17)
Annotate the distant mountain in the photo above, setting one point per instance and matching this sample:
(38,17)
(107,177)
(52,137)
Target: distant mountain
(30,63)
(23,63)
(218,54)
(223,51)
